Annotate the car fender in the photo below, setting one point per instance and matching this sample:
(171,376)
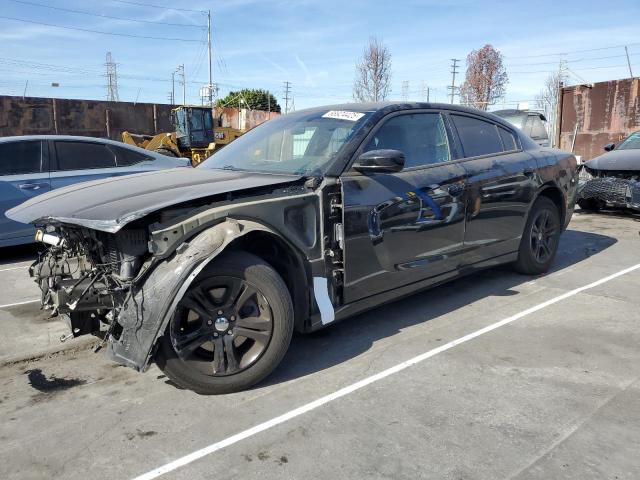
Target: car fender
(148,309)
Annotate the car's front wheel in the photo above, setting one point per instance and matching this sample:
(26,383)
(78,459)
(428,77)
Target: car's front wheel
(231,328)
(540,238)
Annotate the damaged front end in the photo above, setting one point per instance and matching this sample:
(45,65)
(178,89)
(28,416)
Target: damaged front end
(601,188)
(85,275)
(125,284)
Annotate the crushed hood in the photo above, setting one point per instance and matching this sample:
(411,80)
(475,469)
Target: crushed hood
(109,204)
(616,160)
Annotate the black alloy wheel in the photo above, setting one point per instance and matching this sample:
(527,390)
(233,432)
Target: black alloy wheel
(224,324)
(543,235)
(231,328)
(540,238)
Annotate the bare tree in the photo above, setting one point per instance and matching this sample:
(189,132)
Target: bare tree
(485,79)
(547,100)
(373,73)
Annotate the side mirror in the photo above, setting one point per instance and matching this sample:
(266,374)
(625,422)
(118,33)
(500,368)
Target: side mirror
(380,161)
(609,146)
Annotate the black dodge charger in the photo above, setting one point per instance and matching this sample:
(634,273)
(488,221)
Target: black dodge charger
(306,220)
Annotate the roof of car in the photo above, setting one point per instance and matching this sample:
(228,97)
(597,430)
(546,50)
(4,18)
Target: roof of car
(77,138)
(513,111)
(375,106)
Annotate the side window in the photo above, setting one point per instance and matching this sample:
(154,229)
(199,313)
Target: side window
(508,140)
(477,136)
(19,158)
(127,157)
(420,136)
(83,155)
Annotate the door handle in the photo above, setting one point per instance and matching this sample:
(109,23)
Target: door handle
(456,189)
(31,186)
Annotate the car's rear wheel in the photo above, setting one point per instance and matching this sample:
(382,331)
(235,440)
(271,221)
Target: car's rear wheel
(231,328)
(590,204)
(540,238)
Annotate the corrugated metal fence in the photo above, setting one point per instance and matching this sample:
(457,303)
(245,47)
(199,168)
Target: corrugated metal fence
(596,114)
(92,118)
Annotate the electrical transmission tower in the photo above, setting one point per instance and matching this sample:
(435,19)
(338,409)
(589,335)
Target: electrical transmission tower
(112,79)
(454,71)
(287,96)
(405,90)
(425,92)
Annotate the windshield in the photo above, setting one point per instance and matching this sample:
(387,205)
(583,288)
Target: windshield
(298,143)
(631,142)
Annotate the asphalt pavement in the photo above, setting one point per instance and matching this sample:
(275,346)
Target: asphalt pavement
(494,376)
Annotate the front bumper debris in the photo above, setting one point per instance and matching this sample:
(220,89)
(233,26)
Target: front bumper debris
(616,192)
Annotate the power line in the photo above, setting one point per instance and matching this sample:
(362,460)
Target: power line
(83,12)
(101,32)
(575,51)
(140,4)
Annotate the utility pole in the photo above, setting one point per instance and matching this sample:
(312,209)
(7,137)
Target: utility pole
(425,92)
(210,66)
(287,93)
(405,90)
(112,80)
(184,84)
(454,71)
(626,50)
(173,88)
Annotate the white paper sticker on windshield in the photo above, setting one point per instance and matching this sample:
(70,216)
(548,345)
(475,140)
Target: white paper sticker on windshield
(343,115)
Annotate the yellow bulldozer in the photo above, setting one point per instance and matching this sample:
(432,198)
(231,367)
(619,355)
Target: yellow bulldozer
(194,135)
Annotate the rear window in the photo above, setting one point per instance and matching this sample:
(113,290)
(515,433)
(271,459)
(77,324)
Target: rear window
(83,155)
(127,157)
(19,158)
(477,136)
(536,128)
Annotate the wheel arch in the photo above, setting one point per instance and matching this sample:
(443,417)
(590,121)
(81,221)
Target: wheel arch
(151,308)
(554,193)
(287,260)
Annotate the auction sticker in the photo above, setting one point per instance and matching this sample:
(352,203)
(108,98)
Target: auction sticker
(343,115)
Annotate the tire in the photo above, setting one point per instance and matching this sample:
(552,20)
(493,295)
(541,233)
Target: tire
(166,152)
(228,361)
(590,204)
(540,238)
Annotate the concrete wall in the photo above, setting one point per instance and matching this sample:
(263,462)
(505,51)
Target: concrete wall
(604,112)
(44,116)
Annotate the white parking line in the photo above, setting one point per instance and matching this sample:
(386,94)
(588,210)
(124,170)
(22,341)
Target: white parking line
(214,447)
(19,303)
(13,268)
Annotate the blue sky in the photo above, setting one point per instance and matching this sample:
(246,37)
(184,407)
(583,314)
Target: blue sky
(312,44)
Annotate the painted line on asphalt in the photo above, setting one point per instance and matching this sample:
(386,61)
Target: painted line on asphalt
(19,303)
(13,268)
(214,447)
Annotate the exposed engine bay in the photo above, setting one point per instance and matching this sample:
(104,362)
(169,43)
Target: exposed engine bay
(87,275)
(600,188)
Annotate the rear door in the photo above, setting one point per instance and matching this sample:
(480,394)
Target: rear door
(24,173)
(500,186)
(79,161)
(407,226)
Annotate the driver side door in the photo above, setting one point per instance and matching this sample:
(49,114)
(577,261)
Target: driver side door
(404,227)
